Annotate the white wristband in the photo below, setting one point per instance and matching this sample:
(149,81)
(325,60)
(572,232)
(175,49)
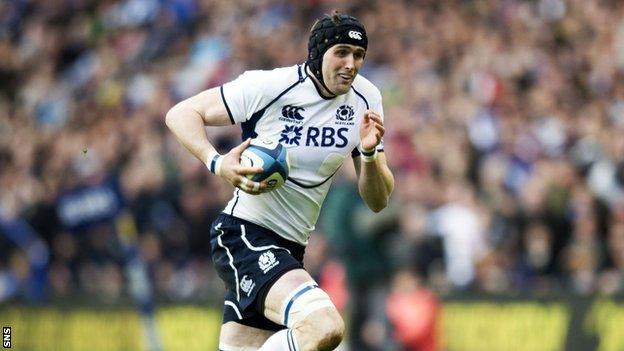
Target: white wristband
(214,162)
(369,155)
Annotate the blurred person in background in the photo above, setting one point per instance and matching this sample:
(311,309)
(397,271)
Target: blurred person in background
(413,311)
(322,111)
(462,231)
(93,207)
(359,240)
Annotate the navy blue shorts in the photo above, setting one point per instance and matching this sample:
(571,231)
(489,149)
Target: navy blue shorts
(249,259)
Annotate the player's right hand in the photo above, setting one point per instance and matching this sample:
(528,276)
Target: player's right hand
(235,173)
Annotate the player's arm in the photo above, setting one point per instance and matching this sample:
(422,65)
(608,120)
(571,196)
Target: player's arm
(187,119)
(375,180)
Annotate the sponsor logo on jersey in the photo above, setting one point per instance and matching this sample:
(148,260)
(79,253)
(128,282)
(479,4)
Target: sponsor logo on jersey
(315,136)
(355,35)
(292,114)
(344,115)
(291,135)
(247,285)
(266,261)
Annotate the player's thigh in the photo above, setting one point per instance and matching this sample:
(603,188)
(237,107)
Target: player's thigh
(237,337)
(281,289)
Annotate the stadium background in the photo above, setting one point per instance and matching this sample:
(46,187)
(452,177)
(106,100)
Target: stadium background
(504,132)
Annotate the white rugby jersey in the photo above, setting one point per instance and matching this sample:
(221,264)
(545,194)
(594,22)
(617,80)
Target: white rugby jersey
(320,133)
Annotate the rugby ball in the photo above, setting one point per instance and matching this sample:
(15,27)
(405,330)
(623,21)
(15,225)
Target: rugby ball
(271,156)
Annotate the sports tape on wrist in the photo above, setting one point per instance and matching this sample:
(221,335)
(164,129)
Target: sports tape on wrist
(369,155)
(214,162)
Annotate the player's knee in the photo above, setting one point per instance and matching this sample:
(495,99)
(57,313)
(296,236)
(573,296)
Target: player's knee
(322,330)
(334,334)
(311,313)
(331,329)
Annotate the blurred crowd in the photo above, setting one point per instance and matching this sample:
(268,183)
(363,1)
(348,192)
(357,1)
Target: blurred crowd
(504,128)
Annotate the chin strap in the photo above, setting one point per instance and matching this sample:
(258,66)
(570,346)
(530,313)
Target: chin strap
(320,80)
(326,88)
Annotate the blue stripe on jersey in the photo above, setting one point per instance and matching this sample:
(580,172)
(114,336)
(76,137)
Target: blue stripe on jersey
(301,78)
(362,96)
(226,105)
(235,202)
(249,126)
(311,186)
(290,303)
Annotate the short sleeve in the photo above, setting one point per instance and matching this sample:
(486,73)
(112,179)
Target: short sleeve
(244,95)
(376,106)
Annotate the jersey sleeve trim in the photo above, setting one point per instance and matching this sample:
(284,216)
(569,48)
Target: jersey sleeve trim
(226,105)
(362,96)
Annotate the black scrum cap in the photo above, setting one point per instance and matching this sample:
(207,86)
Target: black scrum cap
(329,31)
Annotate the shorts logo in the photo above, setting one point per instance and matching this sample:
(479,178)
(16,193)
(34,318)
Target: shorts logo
(267,261)
(355,35)
(292,114)
(344,115)
(247,285)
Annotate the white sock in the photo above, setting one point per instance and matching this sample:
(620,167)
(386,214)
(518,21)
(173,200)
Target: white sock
(224,347)
(283,340)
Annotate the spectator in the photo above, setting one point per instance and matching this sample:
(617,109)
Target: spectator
(506,115)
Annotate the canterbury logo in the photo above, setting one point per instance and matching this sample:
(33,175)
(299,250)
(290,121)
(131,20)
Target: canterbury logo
(292,112)
(355,35)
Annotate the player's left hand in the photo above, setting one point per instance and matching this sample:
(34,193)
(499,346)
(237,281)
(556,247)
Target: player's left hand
(371,130)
